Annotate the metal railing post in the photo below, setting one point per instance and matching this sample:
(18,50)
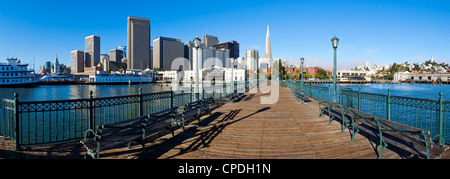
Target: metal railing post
(141,103)
(359,99)
(91,111)
(388,105)
(329,92)
(17,121)
(441,120)
(171,97)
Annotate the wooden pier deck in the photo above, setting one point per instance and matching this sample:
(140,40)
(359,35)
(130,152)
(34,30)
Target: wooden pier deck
(250,130)
(244,129)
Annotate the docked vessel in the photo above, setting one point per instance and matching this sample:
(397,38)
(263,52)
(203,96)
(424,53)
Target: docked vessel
(131,76)
(13,73)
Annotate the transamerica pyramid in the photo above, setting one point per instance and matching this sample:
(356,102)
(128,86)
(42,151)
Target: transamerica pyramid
(268,52)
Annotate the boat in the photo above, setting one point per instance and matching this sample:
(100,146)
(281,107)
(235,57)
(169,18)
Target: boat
(131,76)
(13,73)
(56,79)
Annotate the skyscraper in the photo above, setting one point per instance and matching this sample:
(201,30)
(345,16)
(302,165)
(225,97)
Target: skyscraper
(251,59)
(116,55)
(77,61)
(92,44)
(232,46)
(209,40)
(268,52)
(138,43)
(165,51)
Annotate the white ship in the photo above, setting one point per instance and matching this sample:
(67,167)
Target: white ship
(131,76)
(56,78)
(13,73)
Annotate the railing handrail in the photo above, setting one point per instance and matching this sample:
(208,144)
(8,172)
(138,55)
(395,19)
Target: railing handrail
(425,113)
(56,121)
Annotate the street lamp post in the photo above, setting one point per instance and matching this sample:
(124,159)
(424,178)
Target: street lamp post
(195,64)
(334,42)
(301,74)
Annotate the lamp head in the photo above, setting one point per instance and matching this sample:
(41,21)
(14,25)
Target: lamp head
(197,42)
(335,42)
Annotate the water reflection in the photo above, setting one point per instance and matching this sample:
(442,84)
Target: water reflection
(65,92)
(423,91)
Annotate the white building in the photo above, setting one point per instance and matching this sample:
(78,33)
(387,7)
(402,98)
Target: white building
(349,75)
(401,76)
(421,77)
(216,74)
(169,76)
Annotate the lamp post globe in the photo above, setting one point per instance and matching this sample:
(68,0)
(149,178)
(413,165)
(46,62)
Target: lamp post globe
(197,42)
(334,42)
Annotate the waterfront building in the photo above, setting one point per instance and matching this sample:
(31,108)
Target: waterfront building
(165,51)
(56,66)
(239,75)
(169,76)
(216,74)
(116,55)
(209,40)
(421,77)
(138,43)
(92,49)
(77,61)
(251,59)
(15,73)
(232,46)
(349,75)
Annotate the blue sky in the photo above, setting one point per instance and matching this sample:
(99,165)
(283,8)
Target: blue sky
(381,31)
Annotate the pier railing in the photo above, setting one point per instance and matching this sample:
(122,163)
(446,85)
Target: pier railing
(432,115)
(31,123)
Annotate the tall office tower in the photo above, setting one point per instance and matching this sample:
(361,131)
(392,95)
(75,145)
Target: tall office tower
(56,65)
(189,52)
(89,59)
(251,59)
(124,49)
(92,44)
(232,46)
(209,40)
(116,55)
(76,61)
(138,43)
(268,52)
(165,50)
(209,57)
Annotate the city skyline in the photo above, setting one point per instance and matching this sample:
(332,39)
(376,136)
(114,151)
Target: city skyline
(380,32)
